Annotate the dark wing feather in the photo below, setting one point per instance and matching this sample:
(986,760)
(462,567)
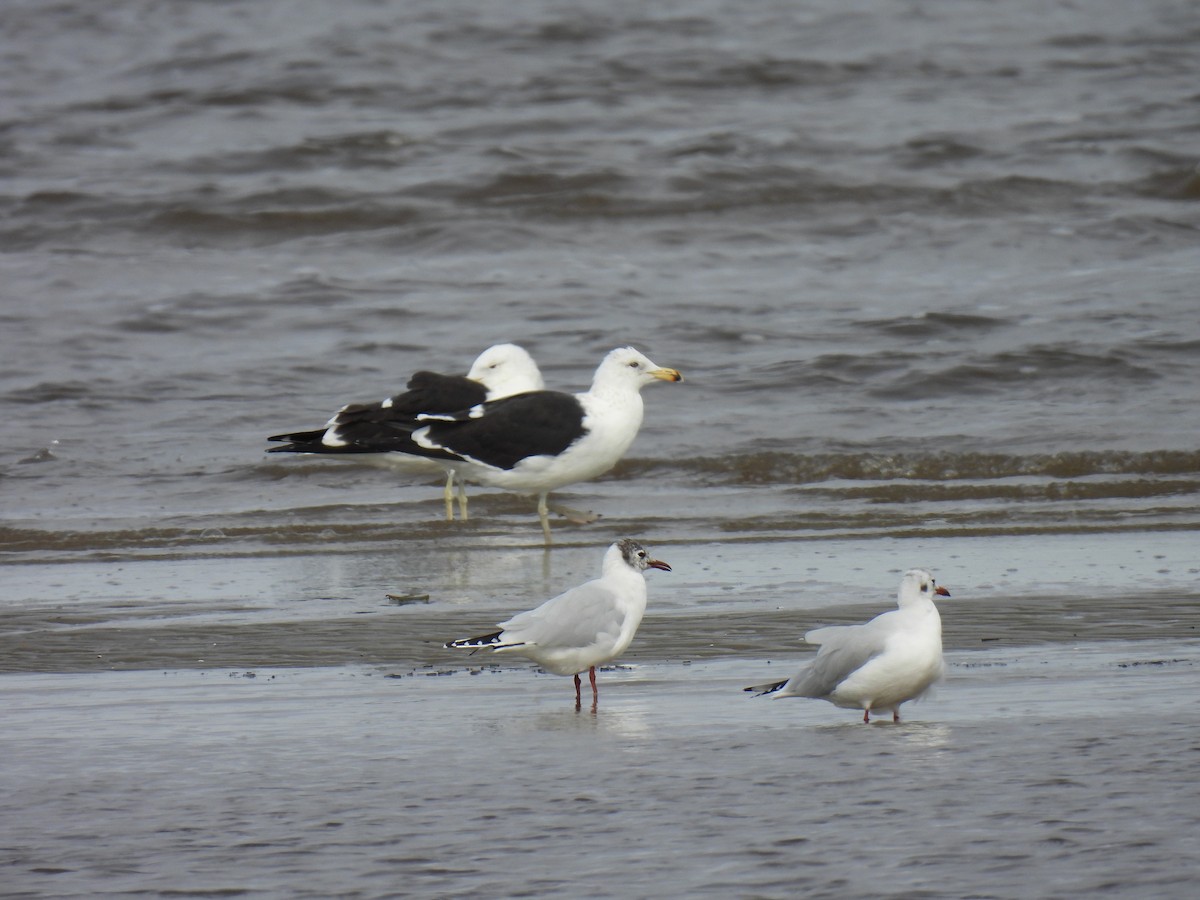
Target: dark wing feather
(503,432)
(387,426)
(429,392)
(370,432)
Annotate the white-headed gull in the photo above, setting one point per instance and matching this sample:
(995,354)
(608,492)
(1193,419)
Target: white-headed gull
(584,627)
(880,664)
(537,442)
(381,433)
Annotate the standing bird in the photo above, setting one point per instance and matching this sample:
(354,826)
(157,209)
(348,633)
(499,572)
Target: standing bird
(584,627)
(537,442)
(381,433)
(880,664)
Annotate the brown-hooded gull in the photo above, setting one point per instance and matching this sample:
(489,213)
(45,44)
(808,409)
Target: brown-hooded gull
(584,627)
(880,664)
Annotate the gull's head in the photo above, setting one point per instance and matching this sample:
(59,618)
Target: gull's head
(637,557)
(506,369)
(628,366)
(919,584)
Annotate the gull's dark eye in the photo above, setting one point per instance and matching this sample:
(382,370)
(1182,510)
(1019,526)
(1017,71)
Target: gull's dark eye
(635,365)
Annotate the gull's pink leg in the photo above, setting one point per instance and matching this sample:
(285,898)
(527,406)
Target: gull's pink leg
(895,715)
(867,716)
(577,686)
(592,679)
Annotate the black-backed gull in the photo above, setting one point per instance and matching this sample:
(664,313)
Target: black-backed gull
(537,442)
(381,433)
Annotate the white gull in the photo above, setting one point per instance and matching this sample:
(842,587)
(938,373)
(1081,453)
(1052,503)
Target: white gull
(585,626)
(876,666)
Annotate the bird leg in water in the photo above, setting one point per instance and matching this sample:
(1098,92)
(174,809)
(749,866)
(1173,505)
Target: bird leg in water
(592,679)
(462,499)
(449,495)
(544,517)
(867,716)
(896,715)
(577,686)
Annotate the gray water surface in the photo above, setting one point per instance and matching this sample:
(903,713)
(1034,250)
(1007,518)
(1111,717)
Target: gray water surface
(1039,772)
(929,270)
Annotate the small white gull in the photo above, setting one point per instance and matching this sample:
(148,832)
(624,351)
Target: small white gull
(584,627)
(381,433)
(537,442)
(878,665)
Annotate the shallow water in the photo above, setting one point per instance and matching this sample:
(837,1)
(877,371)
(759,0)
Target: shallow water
(1035,772)
(319,745)
(930,273)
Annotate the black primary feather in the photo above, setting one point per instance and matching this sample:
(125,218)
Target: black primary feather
(388,425)
(503,432)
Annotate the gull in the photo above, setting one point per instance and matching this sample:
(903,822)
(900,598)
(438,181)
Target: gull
(537,442)
(880,664)
(379,433)
(583,627)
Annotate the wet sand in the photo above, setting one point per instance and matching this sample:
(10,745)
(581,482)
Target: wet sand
(265,727)
(1057,770)
(51,640)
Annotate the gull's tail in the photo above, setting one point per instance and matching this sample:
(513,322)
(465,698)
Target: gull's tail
(760,689)
(482,641)
(298,442)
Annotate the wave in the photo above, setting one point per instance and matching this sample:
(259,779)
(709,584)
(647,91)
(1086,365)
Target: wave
(540,192)
(999,372)
(891,374)
(771,467)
